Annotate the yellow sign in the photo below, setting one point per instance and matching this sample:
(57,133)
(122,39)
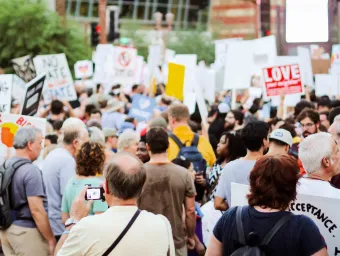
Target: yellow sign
(175,84)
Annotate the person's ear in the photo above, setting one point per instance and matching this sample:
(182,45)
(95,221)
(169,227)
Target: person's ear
(148,147)
(287,148)
(106,187)
(326,162)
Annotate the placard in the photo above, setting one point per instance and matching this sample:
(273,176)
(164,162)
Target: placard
(32,96)
(322,210)
(18,89)
(104,60)
(327,84)
(9,125)
(287,78)
(83,69)
(206,80)
(142,107)
(175,86)
(221,48)
(58,83)
(306,65)
(6,82)
(24,68)
(202,107)
(124,65)
(247,58)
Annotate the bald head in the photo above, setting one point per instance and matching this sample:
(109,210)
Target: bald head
(125,176)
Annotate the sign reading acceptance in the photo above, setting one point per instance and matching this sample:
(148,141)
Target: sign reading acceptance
(287,78)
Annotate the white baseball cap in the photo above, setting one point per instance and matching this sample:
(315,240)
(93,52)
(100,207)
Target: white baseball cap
(282,135)
(223,108)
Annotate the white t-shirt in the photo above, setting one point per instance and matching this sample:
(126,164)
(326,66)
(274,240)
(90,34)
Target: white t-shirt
(317,188)
(150,234)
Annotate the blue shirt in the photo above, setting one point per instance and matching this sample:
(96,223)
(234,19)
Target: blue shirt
(58,168)
(299,236)
(112,120)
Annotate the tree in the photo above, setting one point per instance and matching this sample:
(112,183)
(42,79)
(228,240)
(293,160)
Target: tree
(28,27)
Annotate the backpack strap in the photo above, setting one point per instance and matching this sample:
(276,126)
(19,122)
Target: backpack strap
(176,140)
(239,226)
(20,163)
(195,140)
(266,240)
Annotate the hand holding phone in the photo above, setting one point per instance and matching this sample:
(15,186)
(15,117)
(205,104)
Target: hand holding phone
(95,193)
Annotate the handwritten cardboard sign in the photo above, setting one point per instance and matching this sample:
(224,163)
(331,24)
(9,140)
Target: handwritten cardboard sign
(83,69)
(24,68)
(59,82)
(286,77)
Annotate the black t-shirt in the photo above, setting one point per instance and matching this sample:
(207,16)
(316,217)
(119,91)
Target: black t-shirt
(299,236)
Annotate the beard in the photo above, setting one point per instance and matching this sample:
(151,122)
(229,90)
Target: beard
(229,127)
(306,134)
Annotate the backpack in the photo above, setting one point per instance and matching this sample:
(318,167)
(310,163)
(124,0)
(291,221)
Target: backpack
(191,152)
(6,176)
(252,246)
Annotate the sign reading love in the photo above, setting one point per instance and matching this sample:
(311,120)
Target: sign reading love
(287,78)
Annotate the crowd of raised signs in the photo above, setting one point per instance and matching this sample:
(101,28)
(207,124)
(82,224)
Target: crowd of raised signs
(133,171)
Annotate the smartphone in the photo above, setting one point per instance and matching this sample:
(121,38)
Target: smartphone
(95,193)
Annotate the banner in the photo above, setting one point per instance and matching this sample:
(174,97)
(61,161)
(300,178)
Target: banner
(6,82)
(32,96)
(58,83)
(83,69)
(287,78)
(175,86)
(124,65)
(322,210)
(9,125)
(24,68)
(142,107)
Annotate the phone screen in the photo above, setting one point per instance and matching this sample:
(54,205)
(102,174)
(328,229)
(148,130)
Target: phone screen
(93,193)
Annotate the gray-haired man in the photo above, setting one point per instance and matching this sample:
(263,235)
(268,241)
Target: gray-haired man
(30,233)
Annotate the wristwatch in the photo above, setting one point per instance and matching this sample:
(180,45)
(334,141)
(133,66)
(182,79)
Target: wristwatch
(70,222)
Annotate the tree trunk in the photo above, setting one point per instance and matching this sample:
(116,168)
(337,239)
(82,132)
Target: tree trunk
(60,6)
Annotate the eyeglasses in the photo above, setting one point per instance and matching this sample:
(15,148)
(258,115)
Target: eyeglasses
(309,125)
(337,146)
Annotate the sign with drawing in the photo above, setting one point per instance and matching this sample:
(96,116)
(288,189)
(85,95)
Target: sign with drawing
(142,107)
(83,69)
(24,68)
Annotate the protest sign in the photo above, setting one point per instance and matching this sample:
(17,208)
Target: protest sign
(202,107)
(104,60)
(221,48)
(9,125)
(124,65)
(287,78)
(247,58)
(18,89)
(142,107)
(58,82)
(321,210)
(24,68)
(6,82)
(169,55)
(140,64)
(33,94)
(335,53)
(175,86)
(83,69)
(205,79)
(306,65)
(327,84)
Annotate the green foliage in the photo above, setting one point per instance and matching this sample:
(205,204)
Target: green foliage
(28,27)
(183,42)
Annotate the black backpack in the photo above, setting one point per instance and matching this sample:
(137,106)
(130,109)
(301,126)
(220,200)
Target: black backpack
(251,246)
(6,176)
(191,152)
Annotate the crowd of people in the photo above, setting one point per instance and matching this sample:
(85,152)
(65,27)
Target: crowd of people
(157,177)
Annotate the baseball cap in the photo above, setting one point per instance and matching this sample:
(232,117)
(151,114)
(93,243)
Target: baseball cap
(109,132)
(223,108)
(282,135)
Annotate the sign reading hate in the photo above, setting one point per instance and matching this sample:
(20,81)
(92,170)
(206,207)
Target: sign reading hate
(287,78)
(58,83)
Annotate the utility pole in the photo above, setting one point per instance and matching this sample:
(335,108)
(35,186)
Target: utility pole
(102,21)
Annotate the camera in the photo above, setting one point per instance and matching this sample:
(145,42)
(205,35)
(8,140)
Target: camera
(95,193)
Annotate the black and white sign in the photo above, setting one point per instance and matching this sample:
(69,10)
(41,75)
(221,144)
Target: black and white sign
(32,96)
(24,68)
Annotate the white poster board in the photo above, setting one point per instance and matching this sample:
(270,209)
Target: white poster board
(202,107)
(104,64)
(327,84)
(9,125)
(6,83)
(83,69)
(59,82)
(306,65)
(322,210)
(124,65)
(221,48)
(18,89)
(247,58)
(140,65)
